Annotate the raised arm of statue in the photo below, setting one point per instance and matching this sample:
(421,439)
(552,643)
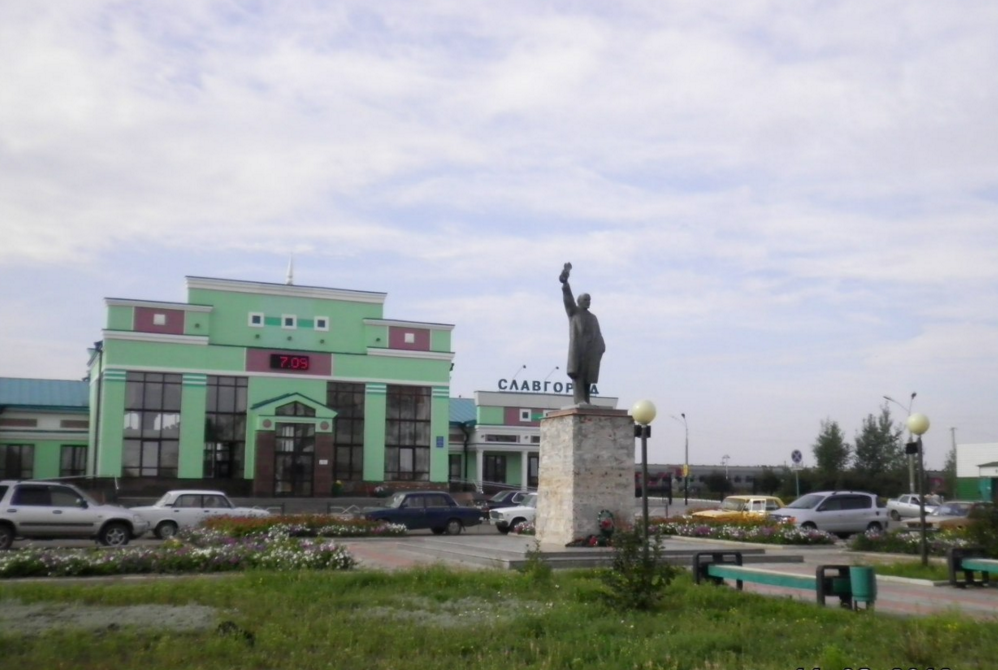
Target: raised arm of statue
(566,290)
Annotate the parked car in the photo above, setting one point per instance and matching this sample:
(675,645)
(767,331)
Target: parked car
(738,506)
(505,519)
(839,512)
(58,511)
(509,498)
(907,506)
(435,510)
(952,514)
(188,508)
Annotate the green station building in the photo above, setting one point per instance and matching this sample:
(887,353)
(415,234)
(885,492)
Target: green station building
(285,389)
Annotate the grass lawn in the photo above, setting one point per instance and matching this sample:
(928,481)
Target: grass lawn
(452,619)
(935,572)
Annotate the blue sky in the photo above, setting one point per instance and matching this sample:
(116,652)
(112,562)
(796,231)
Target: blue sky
(783,211)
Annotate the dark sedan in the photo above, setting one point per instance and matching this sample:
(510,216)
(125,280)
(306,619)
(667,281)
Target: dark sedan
(436,510)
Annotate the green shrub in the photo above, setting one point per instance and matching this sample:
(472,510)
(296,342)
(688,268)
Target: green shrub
(983,529)
(638,576)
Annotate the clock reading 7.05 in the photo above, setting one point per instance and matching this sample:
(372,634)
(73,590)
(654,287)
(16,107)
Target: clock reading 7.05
(288,362)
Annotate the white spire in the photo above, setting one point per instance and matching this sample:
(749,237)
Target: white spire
(290,280)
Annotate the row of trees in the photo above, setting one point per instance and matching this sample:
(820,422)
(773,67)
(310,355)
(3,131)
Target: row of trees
(876,461)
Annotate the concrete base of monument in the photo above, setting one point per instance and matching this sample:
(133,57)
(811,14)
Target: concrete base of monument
(586,466)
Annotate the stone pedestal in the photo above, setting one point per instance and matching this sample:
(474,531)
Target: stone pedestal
(586,465)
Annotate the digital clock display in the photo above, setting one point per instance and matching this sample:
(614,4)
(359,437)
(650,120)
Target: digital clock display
(289,362)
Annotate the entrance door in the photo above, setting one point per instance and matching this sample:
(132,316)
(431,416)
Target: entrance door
(294,459)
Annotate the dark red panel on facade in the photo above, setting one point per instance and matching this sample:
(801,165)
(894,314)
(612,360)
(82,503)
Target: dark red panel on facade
(166,321)
(397,338)
(319,365)
(512,417)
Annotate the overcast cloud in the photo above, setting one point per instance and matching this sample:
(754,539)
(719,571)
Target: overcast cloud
(782,210)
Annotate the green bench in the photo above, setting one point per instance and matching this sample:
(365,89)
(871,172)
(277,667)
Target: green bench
(965,562)
(851,584)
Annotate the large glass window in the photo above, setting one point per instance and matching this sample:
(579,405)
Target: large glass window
(17,461)
(407,433)
(533,470)
(494,468)
(348,401)
(152,425)
(225,428)
(73,460)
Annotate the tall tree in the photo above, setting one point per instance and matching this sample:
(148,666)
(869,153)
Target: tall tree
(831,453)
(879,449)
(949,473)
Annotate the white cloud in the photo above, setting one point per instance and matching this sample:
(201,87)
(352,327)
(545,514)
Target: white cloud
(777,208)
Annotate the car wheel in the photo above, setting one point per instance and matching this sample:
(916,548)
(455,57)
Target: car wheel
(503,529)
(875,527)
(808,525)
(895,516)
(454,527)
(115,534)
(6,537)
(166,530)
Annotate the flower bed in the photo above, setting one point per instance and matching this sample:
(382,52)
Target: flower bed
(304,525)
(938,543)
(199,550)
(762,531)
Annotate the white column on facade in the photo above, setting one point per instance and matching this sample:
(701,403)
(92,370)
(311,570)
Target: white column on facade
(524,469)
(479,464)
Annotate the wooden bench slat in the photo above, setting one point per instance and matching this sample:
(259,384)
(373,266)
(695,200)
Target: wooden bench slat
(770,577)
(980,564)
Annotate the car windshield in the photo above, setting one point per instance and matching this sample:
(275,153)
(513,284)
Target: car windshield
(733,505)
(162,501)
(952,509)
(396,500)
(530,500)
(501,496)
(809,501)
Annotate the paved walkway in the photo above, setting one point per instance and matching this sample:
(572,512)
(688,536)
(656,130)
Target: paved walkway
(895,595)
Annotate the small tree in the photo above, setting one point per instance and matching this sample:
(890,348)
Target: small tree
(769,482)
(949,473)
(639,574)
(831,453)
(878,446)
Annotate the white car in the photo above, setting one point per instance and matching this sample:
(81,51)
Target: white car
(838,512)
(506,518)
(188,508)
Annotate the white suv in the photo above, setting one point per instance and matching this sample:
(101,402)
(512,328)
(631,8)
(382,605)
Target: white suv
(839,512)
(53,510)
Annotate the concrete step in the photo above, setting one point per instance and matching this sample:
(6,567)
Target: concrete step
(513,553)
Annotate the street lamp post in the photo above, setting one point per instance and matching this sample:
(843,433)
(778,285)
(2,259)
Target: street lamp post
(911,458)
(643,413)
(917,425)
(686,461)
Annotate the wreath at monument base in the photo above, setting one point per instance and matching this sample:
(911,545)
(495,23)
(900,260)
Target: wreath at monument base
(605,523)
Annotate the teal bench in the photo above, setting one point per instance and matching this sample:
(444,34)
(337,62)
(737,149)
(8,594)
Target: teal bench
(966,562)
(851,584)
